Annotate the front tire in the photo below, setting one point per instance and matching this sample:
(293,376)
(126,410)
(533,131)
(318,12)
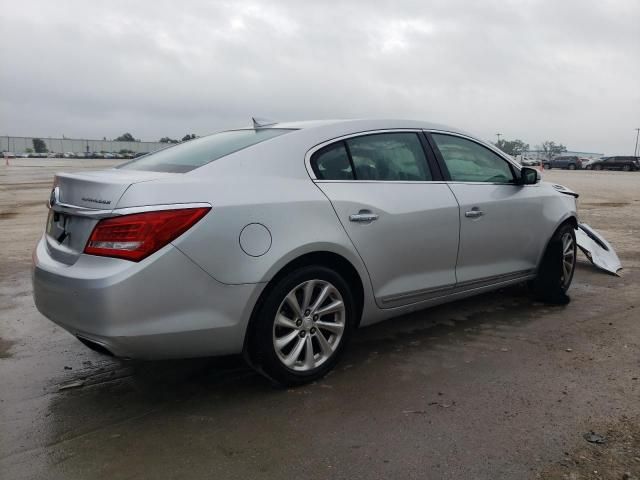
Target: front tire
(572,167)
(303,326)
(556,270)
(626,168)
(547,166)
(597,167)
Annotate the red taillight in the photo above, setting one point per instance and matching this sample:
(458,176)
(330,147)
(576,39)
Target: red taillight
(136,236)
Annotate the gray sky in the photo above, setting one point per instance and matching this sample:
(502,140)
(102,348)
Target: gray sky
(564,70)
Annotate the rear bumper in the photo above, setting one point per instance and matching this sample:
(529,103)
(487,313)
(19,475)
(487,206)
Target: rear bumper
(163,307)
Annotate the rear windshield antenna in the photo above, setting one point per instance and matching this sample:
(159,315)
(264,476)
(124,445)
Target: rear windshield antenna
(262,122)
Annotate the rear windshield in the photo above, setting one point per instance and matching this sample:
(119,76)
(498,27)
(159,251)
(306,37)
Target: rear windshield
(196,153)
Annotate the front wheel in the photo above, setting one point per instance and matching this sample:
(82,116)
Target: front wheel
(302,326)
(597,167)
(547,166)
(626,168)
(557,267)
(572,167)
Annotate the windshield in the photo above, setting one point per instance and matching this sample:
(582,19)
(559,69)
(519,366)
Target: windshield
(196,153)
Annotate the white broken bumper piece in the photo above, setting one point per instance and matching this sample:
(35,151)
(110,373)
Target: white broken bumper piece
(597,249)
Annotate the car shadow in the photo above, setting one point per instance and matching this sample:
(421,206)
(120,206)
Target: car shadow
(117,391)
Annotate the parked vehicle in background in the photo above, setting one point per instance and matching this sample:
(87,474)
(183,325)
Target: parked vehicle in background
(69,155)
(530,162)
(8,155)
(586,162)
(278,241)
(568,162)
(626,164)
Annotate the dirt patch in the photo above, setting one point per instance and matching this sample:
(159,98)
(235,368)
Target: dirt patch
(605,204)
(5,346)
(616,459)
(8,215)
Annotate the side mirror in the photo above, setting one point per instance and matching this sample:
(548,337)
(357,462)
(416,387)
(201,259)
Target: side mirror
(529,176)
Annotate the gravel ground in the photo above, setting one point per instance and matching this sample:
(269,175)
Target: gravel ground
(497,386)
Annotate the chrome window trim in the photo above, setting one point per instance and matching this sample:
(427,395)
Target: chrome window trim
(314,149)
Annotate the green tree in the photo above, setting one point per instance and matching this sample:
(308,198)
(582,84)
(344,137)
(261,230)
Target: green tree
(512,147)
(126,137)
(551,148)
(188,137)
(39,146)
(168,140)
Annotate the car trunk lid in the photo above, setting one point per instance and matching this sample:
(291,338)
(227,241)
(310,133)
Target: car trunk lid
(78,201)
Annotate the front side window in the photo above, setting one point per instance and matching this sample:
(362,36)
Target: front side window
(389,157)
(196,153)
(468,161)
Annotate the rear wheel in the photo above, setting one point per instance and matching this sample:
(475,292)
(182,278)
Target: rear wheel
(597,167)
(572,166)
(626,168)
(302,326)
(557,267)
(547,166)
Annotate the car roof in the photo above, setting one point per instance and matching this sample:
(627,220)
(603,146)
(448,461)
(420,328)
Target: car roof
(347,126)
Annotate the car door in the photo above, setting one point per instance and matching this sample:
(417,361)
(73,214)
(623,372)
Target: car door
(500,221)
(615,163)
(401,217)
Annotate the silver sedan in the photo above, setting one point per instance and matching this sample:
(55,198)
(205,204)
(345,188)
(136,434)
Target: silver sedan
(279,240)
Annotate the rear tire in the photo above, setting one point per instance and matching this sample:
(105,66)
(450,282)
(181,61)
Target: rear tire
(547,166)
(302,327)
(597,167)
(626,168)
(557,267)
(572,167)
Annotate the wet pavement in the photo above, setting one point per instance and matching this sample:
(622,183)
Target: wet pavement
(497,386)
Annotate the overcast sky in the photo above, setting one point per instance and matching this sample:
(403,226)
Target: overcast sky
(564,70)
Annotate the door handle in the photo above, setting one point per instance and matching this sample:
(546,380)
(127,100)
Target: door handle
(475,212)
(363,216)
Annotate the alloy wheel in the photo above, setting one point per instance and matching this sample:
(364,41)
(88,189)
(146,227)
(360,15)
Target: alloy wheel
(568,259)
(309,325)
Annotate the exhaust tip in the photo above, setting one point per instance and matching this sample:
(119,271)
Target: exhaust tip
(96,347)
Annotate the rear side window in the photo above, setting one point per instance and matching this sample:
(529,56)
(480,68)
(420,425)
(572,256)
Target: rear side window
(389,156)
(332,163)
(196,153)
(468,161)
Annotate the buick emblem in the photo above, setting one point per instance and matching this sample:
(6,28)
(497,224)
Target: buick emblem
(55,196)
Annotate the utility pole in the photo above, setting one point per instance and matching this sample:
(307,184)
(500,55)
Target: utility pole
(498,135)
(635,150)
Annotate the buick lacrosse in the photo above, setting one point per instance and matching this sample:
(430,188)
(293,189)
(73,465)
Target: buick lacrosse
(279,240)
